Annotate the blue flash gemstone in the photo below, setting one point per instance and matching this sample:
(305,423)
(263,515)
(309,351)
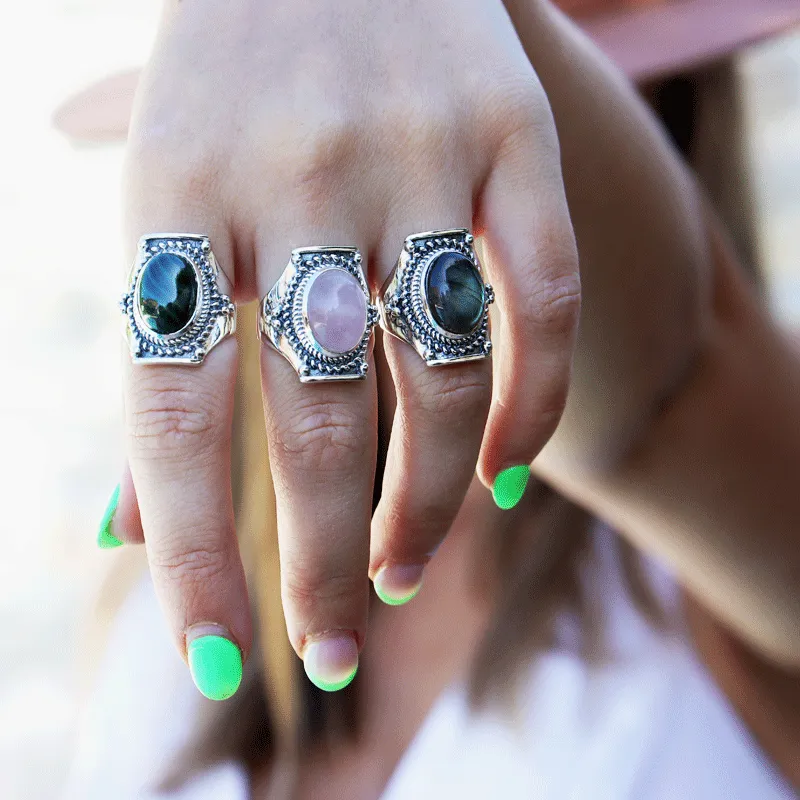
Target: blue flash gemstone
(456,293)
(167,293)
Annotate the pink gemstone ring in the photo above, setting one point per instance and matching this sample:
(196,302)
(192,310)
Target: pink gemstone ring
(318,314)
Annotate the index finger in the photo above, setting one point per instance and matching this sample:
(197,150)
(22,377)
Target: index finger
(179,421)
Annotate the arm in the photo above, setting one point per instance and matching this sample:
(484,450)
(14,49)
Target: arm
(682,428)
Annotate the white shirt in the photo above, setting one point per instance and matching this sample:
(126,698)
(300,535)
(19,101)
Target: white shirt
(647,723)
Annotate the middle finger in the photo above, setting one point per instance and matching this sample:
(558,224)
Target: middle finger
(437,429)
(323,442)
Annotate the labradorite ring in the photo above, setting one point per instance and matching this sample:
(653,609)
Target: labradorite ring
(174,311)
(436,298)
(318,315)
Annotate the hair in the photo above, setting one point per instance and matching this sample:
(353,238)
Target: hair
(277,713)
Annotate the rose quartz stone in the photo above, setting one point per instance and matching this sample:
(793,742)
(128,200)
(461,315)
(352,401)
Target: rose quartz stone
(337,310)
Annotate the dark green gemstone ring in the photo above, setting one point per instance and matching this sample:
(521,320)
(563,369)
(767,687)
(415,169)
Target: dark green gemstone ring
(436,298)
(174,310)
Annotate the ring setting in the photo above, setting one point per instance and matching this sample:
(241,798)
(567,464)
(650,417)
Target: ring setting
(174,311)
(436,298)
(318,314)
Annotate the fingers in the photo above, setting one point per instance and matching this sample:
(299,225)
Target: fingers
(533,265)
(121,523)
(435,439)
(322,444)
(178,420)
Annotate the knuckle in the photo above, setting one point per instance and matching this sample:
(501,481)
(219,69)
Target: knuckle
(163,158)
(320,158)
(520,109)
(550,302)
(536,412)
(515,105)
(311,590)
(173,420)
(412,524)
(323,435)
(166,426)
(553,307)
(193,567)
(426,134)
(464,393)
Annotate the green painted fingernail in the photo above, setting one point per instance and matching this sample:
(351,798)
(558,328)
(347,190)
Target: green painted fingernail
(332,663)
(105,539)
(396,584)
(216,666)
(509,486)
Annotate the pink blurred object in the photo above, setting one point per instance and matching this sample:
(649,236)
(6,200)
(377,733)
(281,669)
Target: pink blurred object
(658,39)
(101,112)
(587,8)
(648,39)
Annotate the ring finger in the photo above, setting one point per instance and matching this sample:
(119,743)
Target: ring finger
(440,413)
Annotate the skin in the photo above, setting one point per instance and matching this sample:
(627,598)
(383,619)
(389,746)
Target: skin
(703,471)
(680,427)
(333,125)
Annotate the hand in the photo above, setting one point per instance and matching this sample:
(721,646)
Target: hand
(275,126)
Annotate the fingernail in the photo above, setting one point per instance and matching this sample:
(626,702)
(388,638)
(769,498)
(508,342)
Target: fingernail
(509,486)
(105,539)
(398,583)
(215,663)
(332,663)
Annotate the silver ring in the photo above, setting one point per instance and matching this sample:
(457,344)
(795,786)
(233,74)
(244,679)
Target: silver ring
(318,314)
(436,298)
(174,311)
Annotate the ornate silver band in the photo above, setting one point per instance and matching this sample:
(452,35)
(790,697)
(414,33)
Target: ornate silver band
(174,312)
(318,314)
(436,299)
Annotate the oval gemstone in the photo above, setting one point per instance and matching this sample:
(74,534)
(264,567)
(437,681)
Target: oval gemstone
(336,308)
(167,293)
(455,293)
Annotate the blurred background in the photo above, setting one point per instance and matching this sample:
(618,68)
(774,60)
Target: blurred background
(731,101)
